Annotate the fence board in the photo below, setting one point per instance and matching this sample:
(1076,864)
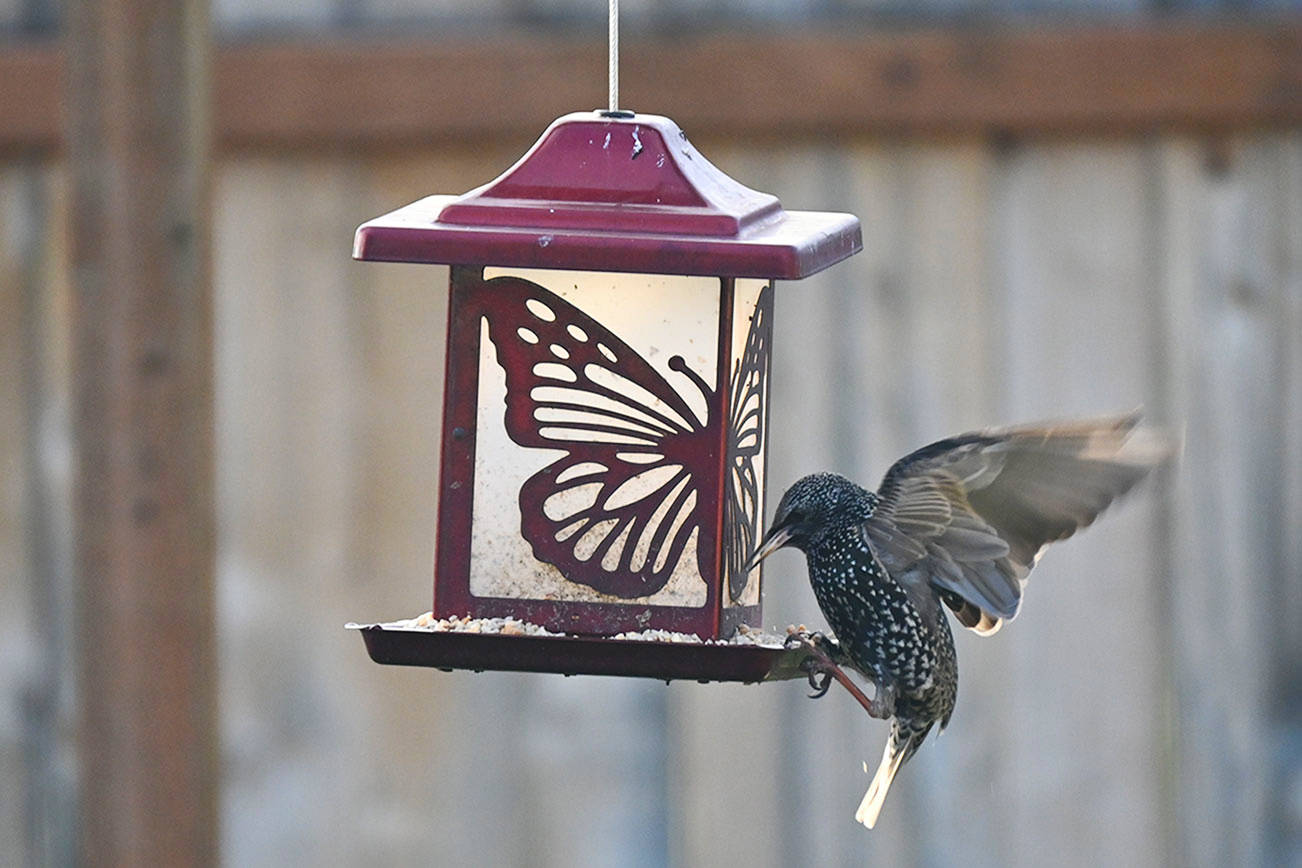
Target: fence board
(816,329)
(1223,292)
(1072,241)
(137,133)
(1289,319)
(947,359)
(895,324)
(1162,74)
(997,284)
(20,649)
(288,395)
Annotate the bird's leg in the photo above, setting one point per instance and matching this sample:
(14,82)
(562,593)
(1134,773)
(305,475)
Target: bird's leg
(822,670)
(883,702)
(819,665)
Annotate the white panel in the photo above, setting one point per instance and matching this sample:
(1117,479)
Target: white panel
(659,317)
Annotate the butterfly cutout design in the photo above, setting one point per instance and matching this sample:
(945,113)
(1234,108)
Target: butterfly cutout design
(747,417)
(617,511)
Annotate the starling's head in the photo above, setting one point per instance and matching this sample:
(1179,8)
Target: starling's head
(813,506)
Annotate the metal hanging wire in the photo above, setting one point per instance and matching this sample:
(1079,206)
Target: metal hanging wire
(614,55)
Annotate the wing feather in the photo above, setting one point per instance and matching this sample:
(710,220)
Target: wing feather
(970,515)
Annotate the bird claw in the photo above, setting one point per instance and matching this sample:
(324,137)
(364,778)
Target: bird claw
(820,687)
(816,641)
(820,666)
(796,638)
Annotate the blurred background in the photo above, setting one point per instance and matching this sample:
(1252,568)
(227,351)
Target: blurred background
(1069,207)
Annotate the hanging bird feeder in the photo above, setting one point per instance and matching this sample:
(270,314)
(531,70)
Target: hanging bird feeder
(606,402)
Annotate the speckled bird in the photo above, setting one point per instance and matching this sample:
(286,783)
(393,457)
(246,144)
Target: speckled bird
(955,525)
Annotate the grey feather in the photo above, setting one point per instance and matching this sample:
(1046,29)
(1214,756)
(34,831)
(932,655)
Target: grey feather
(971,514)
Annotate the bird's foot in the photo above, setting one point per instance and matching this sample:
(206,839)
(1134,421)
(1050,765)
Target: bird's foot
(821,667)
(821,684)
(800,636)
(797,636)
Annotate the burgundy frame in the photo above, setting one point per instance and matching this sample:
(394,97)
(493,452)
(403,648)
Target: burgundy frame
(452,596)
(604,192)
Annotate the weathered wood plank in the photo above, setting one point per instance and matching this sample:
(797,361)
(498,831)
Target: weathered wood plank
(19,672)
(818,775)
(138,153)
(728,745)
(593,783)
(941,81)
(891,325)
(289,400)
(32,78)
(1225,293)
(725,745)
(996,285)
(1288,316)
(40,610)
(338,366)
(946,362)
(1078,722)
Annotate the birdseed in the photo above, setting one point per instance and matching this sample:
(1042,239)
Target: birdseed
(745,635)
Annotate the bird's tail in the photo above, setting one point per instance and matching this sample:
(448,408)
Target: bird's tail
(902,744)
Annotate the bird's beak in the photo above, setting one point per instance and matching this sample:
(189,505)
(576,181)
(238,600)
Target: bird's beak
(775,539)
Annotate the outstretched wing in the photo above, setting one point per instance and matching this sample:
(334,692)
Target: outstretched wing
(747,414)
(617,510)
(971,515)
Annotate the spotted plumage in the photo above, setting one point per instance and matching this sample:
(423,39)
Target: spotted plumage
(958,524)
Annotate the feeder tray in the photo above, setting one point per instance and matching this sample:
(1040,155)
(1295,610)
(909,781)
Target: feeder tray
(606,402)
(581,655)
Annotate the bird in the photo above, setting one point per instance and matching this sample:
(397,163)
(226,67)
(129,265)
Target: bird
(957,525)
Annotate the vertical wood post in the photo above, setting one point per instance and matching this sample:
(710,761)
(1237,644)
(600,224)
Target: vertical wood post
(138,150)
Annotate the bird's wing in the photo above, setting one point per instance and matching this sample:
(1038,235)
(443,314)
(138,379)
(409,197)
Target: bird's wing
(970,515)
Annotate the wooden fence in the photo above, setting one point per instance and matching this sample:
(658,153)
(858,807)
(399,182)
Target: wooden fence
(1143,709)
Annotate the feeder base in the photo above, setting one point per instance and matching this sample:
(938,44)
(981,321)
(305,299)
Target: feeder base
(580,655)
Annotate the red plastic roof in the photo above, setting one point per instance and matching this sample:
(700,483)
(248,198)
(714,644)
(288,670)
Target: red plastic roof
(614,193)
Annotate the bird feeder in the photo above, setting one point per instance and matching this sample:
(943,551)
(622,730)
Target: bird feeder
(606,398)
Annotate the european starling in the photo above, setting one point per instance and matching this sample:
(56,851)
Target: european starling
(960,523)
